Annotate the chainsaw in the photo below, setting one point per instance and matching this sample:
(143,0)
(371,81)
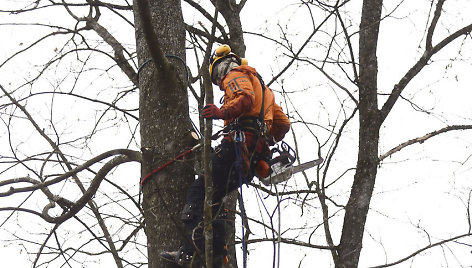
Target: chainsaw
(280,168)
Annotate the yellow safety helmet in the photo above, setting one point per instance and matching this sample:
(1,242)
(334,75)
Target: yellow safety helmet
(222,52)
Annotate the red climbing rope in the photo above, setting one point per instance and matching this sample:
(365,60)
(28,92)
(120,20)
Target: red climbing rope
(180,156)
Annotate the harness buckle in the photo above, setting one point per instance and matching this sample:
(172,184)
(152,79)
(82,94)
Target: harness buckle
(262,127)
(238,136)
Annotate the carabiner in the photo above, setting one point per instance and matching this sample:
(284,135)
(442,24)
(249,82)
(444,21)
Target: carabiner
(238,136)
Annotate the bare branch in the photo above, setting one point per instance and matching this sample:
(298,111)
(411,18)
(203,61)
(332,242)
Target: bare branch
(88,194)
(348,40)
(199,32)
(210,18)
(423,249)
(110,105)
(419,65)
(45,37)
(297,53)
(423,139)
(93,3)
(432,27)
(291,242)
(132,155)
(117,48)
(330,78)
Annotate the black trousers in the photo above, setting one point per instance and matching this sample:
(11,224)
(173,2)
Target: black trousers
(225,176)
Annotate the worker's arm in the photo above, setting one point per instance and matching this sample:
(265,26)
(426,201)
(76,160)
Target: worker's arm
(280,124)
(239,95)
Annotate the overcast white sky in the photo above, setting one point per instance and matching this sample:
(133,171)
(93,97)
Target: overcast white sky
(424,185)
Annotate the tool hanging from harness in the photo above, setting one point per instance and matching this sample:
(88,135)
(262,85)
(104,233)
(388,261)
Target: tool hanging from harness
(279,168)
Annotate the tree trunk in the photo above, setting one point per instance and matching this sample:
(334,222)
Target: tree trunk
(369,124)
(164,126)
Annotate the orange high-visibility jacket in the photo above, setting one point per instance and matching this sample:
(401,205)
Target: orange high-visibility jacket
(243,98)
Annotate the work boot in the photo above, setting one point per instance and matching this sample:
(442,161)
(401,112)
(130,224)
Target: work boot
(178,257)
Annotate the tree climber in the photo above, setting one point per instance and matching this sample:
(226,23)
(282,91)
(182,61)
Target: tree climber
(249,131)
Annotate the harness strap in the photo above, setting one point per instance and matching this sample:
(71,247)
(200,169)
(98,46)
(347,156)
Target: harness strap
(263,86)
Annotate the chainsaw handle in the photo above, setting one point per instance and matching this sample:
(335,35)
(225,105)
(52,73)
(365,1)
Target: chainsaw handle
(285,152)
(292,155)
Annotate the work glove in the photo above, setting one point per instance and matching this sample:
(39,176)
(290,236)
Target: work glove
(211,111)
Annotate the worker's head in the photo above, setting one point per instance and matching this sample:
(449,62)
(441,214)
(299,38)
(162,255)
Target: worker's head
(222,61)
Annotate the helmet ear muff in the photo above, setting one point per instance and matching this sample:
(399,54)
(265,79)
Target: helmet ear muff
(218,54)
(222,51)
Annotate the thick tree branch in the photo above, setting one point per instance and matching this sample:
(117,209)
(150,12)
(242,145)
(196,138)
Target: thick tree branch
(232,17)
(205,34)
(39,214)
(419,65)
(210,18)
(133,155)
(432,27)
(119,50)
(88,194)
(423,139)
(357,207)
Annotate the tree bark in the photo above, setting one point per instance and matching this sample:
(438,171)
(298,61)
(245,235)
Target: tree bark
(369,124)
(164,123)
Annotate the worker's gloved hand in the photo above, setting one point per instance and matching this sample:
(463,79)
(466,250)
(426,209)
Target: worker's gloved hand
(211,111)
